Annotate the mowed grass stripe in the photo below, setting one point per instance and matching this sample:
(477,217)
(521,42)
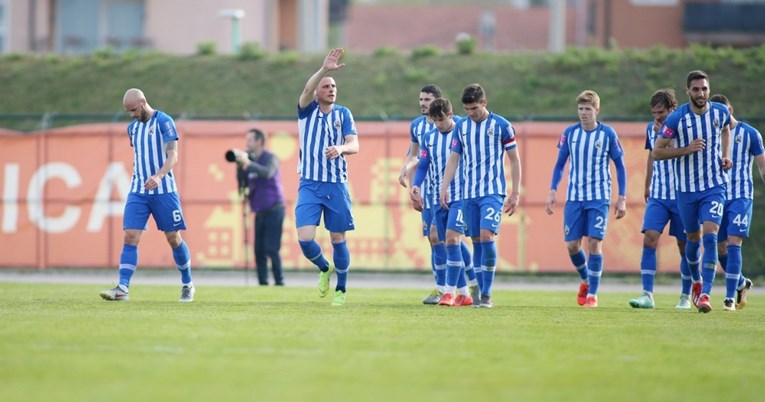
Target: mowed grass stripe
(61,342)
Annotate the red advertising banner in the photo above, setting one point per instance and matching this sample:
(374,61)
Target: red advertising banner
(63,193)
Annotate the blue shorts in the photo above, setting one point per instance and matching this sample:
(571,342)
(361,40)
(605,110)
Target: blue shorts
(482,213)
(660,212)
(585,218)
(427,219)
(165,208)
(451,218)
(737,217)
(330,199)
(701,206)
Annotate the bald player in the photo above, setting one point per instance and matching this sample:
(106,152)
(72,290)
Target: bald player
(153,192)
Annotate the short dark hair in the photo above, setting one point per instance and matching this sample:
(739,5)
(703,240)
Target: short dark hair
(433,89)
(665,97)
(440,107)
(696,75)
(259,134)
(473,93)
(720,98)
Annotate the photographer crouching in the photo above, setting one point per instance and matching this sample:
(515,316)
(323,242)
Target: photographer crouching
(258,172)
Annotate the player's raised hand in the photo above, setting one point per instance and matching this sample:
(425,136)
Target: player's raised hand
(332,61)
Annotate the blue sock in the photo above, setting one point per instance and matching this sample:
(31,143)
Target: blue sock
(467,258)
(733,271)
(489,264)
(594,271)
(693,256)
(648,268)
(453,264)
(461,280)
(685,276)
(182,259)
(128,263)
(580,263)
(440,259)
(477,255)
(433,261)
(723,258)
(342,259)
(710,262)
(312,251)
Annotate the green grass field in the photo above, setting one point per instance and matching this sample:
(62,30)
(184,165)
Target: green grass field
(63,343)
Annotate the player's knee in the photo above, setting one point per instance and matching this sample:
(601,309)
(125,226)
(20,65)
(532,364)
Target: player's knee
(650,239)
(174,239)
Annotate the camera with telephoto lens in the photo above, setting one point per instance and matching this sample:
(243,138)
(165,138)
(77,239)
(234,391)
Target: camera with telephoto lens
(231,155)
(241,174)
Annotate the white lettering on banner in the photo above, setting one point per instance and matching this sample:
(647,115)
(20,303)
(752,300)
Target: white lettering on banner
(11,198)
(103,207)
(71,214)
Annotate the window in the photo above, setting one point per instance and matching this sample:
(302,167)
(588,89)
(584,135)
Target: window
(3,26)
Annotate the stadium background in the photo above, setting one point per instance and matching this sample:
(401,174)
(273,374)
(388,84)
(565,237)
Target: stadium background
(61,188)
(64,191)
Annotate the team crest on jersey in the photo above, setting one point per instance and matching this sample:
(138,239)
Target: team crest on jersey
(598,144)
(337,124)
(151,130)
(739,139)
(490,131)
(716,123)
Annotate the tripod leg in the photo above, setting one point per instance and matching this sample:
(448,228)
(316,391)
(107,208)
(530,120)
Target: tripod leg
(246,242)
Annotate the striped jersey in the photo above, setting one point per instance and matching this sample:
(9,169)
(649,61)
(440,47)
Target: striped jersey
(482,148)
(316,132)
(663,172)
(747,143)
(589,178)
(420,126)
(701,170)
(148,139)
(435,151)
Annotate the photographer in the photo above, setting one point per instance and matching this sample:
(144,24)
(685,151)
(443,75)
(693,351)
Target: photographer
(258,171)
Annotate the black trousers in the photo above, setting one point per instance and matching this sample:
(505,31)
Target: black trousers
(268,241)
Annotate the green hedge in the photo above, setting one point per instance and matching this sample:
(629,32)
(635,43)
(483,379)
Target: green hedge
(521,85)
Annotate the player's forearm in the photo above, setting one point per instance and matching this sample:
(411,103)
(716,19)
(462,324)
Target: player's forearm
(310,87)
(349,148)
(726,144)
(170,162)
(515,175)
(660,154)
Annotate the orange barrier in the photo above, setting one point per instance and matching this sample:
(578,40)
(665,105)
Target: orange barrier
(64,191)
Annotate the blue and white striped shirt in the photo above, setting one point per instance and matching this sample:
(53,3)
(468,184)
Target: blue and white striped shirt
(482,147)
(589,178)
(420,126)
(317,131)
(435,151)
(747,143)
(700,170)
(148,140)
(663,172)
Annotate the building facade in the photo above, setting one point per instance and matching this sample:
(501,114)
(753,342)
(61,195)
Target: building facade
(170,26)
